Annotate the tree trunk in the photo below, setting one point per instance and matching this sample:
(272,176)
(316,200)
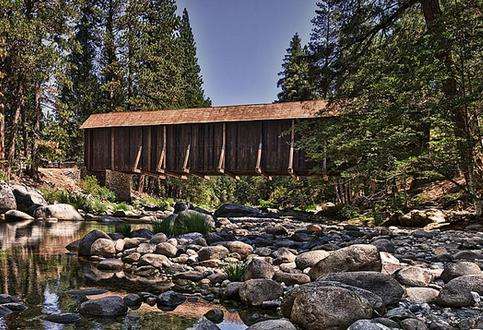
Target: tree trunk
(15,123)
(36,130)
(468,152)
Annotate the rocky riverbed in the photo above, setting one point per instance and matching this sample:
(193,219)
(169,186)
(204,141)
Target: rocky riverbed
(304,275)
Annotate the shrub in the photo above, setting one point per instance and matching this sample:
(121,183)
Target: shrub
(122,207)
(125,229)
(148,200)
(3,176)
(91,186)
(183,223)
(235,271)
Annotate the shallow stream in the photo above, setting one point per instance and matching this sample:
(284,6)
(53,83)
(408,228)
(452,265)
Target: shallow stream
(35,266)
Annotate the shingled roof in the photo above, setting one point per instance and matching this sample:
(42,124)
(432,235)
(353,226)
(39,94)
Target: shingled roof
(254,112)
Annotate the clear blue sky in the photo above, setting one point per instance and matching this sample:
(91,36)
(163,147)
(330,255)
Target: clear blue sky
(241,44)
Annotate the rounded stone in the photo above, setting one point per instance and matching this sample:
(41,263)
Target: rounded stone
(103,247)
(310,258)
(457,269)
(255,292)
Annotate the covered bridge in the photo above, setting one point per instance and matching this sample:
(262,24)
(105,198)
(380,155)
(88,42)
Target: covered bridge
(232,140)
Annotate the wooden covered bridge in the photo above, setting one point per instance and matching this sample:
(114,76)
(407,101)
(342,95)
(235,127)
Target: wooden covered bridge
(233,140)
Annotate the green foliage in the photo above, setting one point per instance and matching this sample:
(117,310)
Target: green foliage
(122,207)
(3,176)
(91,186)
(235,271)
(184,223)
(125,229)
(77,199)
(148,200)
(347,212)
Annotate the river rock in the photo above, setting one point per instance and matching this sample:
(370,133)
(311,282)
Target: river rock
(133,301)
(357,257)
(158,238)
(27,199)
(155,260)
(255,292)
(281,324)
(7,198)
(63,318)
(169,300)
(108,306)
(258,268)
(458,291)
(166,249)
(291,278)
(110,264)
(58,211)
(310,258)
(204,324)
(374,300)
(215,315)
(212,252)
(367,325)
(283,255)
(325,307)
(457,269)
(235,210)
(14,215)
(383,285)
(413,276)
(241,248)
(86,242)
(421,295)
(103,247)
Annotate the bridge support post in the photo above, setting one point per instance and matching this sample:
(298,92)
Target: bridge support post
(120,183)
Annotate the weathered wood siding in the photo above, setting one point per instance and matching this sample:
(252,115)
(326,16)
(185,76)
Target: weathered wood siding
(117,148)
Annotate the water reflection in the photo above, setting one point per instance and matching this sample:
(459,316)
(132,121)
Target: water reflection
(34,265)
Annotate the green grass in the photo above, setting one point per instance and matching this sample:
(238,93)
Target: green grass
(125,229)
(183,224)
(147,200)
(91,186)
(235,271)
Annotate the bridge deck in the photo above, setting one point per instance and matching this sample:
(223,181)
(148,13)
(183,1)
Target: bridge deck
(239,140)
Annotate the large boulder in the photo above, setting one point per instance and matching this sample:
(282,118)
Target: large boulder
(310,258)
(460,268)
(213,252)
(243,249)
(155,260)
(417,218)
(258,268)
(58,211)
(255,292)
(204,324)
(7,198)
(421,295)
(281,324)
(458,291)
(169,300)
(291,278)
(166,249)
(325,307)
(14,215)
(383,285)
(413,276)
(103,247)
(235,210)
(108,306)
(28,199)
(86,242)
(357,257)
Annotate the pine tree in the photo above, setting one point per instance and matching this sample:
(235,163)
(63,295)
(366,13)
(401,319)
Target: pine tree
(111,70)
(80,87)
(191,72)
(295,79)
(159,81)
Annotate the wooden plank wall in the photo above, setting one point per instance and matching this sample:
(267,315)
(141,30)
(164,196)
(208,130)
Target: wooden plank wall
(119,148)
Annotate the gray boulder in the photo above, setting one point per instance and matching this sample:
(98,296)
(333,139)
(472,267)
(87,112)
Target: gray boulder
(310,258)
(325,307)
(258,268)
(27,199)
(86,242)
(383,285)
(413,276)
(457,269)
(291,278)
(357,257)
(108,307)
(213,252)
(367,325)
(133,301)
(63,318)
(169,300)
(14,215)
(58,211)
(204,324)
(458,291)
(103,247)
(255,292)
(182,222)
(281,324)
(235,210)
(7,198)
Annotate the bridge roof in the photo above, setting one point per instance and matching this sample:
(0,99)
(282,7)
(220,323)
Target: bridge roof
(253,112)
